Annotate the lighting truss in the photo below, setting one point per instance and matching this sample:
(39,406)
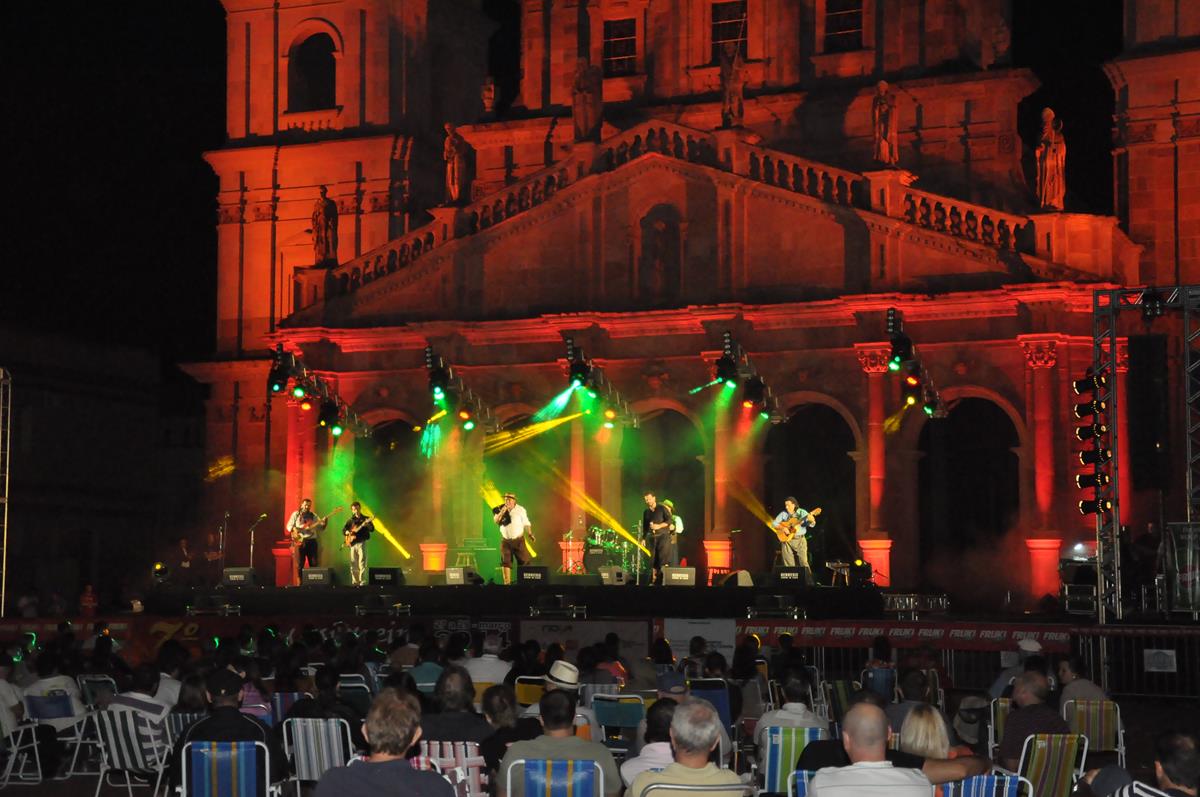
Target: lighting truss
(5,452)
(480,412)
(288,367)
(746,372)
(905,357)
(591,376)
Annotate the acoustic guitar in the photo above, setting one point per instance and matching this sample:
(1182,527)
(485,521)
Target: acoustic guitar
(793,526)
(307,531)
(348,536)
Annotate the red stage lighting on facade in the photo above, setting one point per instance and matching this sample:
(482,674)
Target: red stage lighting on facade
(306,405)
(464,415)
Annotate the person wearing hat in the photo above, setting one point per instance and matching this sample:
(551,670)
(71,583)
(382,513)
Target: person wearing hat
(557,710)
(1025,649)
(969,719)
(565,676)
(676,530)
(226,723)
(513,521)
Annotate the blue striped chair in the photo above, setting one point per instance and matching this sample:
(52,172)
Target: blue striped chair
(226,769)
(130,745)
(315,746)
(282,702)
(783,749)
(798,782)
(556,778)
(178,722)
(988,786)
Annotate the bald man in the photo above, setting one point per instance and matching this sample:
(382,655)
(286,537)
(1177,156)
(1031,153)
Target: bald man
(865,735)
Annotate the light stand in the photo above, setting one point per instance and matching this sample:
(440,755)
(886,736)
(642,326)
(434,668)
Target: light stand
(253,526)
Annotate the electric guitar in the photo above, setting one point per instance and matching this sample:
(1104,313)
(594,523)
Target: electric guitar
(306,531)
(348,536)
(793,526)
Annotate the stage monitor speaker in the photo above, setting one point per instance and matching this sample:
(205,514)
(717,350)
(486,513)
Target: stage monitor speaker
(533,575)
(613,576)
(239,577)
(788,577)
(385,577)
(738,578)
(462,575)
(317,577)
(679,576)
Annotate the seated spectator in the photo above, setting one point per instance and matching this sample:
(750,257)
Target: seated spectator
(226,723)
(924,733)
(326,704)
(171,658)
(587,660)
(655,755)
(612,660)
(193,698)
(881,654)
(427,670)
(558,740)
(1030,714)
(1176,769)
(500,710)
(673,687)
(140,697)
(12,711)
(489,668)
(405,653)
(1036,663)
(914,691)
(50,681)
(256,697)
(865,736)
(661,654)
(1025,649)
(457,720)
(527,663)
(832,753)
(104,659)
(692,666)
(795,712)
(1075,686)
(786,657)
(392,728)
(695,733)
(563,675)
(715,666)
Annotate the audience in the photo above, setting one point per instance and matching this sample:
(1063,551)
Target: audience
(1029,715)
(12,711)
(925,733)
(914,691)
(865,736)
(695,733)
(795,713)
(1176,769)
(692,666)
(457,720)
(1025,649)
(140,697)
(427,670)
(500,710)
(558,741)
(392,728)
(193,698)
(656,753)
(1075,686)
(326,704)
(488,668)
(171,658)
(51,682)
(564,676)
(672,686)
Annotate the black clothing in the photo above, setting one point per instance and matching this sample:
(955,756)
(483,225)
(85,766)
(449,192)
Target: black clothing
(228,724)
(494,747)
(830,753)
(363,534)
(455,726)
(513,549)
(390,777)
(661,539)
(312,708)
(307,552)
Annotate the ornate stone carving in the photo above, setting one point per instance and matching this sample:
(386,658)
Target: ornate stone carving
(1051,155)
(454,152)
(873,359)
(324,230)
(587,95)
(487,95)
(884,125)
(733,86)
(231,214)
(1040,353)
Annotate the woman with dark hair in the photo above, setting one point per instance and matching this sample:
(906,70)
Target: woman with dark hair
(256,698)
(500,709)
(193,698)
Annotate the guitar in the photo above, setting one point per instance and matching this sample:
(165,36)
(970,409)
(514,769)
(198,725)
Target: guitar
(793,526)
(348,536)
(307,531)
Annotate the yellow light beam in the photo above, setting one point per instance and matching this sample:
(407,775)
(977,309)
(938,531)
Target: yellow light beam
(493,498)
(380,526)
(502,441)
(749,500)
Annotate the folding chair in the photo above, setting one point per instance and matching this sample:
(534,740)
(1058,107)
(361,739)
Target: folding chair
(353,679)
(589,691)
(1100,722)
(460,763)
(315,746)
(1139,789)
(357,695)
(95,689)
(529,689)
(837,697)
(998,716)
(1052,762)
(556,778)
(20,744)
(281,704)
(130,745)
(783,749)
(740,789)
(259,711)
(226,769)
(177,723)
(881,681)
(57,705)
(988,786)
(937,695)
(798,782)
(618,711)
(715,691)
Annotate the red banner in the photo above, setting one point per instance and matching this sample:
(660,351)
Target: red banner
(953,635)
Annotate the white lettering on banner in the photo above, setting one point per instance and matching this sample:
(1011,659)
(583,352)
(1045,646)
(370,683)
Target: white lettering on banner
(812,630)
(866,631)
(841,631)
(962,633)
(902,633)
(985,633)
(931,633)
(1056,636)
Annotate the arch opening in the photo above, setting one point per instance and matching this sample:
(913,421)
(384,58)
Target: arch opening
(312,74)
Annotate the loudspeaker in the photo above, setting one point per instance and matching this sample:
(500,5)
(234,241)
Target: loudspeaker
(317,577)
(462,575)
(1148,414)
(738,578)
(788,577)
(613,576)
(385,576)
(533,575)
(679,576)
(239,577)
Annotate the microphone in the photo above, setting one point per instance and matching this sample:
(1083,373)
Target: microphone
(263,516)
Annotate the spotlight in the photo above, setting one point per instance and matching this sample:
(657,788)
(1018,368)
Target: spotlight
(464,414)
(1089,432)
(754,392)
(306,405)
(336,430)
(1094,456)
(469,425)
(160,572)
(608,424)
(329,414)
(1152,304)
(902,351)
(1095,506)
(278,376)
(1085,481)
(1090,408)
(299,392)
(580,372)
(1089,384)
(727,370)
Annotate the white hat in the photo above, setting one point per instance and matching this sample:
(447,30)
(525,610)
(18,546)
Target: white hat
(968,720)
(563,675)
(1029,646)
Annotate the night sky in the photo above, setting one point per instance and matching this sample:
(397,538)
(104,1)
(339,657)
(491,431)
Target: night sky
(110,103)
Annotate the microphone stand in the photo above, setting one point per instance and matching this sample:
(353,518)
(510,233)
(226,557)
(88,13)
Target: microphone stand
(221,545)
(253,526)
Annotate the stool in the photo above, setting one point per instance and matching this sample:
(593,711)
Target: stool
(465,559)
(840,569)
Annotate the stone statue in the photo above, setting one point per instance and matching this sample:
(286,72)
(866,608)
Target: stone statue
(587,100)
(884,125)
(733,85)
(325,230)
(1051,154)
(454,152)
(487,95)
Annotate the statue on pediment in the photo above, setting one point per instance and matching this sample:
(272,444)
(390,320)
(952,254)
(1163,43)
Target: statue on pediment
(487,95)
(325,230)
(884,125)
(733,85)
(1051,155)
(587,98)
(454,152)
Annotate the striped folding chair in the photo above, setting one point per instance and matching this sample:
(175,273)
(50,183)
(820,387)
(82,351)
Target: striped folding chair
(556,778)
(1052,762)
(937,695)
(783,749)
(353,679)
(987,786)
(96,689)
(837,697)
(529,689)
(798,782)
(178,722)
(315,746)
(281,704)
(1100,722)
(460,763)
(226,769)
(733,789)
(21,746)
(130,745)
(1139,789)
(999,715)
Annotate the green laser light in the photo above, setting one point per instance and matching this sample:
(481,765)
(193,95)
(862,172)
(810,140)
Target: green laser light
(469,425)
(298,391)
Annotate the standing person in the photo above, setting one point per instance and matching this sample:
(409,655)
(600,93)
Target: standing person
(212,559)
(656,521)
(184,561)
(676,530)
(356,532)
(513,521)
(302,528)
(796,521)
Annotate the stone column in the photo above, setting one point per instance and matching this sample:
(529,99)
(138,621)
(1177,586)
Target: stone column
(300,475)
(577,521)
(1041,356)
(720,524)
(876,544)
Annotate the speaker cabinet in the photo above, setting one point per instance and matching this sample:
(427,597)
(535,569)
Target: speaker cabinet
(456,576)
(613,576)
(385,577)
(679,576)
(317,577)
(533,575)
(239,577)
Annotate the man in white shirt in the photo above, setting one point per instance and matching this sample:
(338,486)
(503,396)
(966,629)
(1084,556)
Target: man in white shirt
(140,699)
(794,713)
(656,753)
(50,682)
(488,668)
(513,521)
(1075,686)
(864,735)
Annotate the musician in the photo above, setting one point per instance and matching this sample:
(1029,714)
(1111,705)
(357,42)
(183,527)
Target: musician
(303,525)
(513,521)
(676,530)
(656,521)
(356,532)
(795,551)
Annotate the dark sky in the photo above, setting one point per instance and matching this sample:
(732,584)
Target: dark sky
(109,104)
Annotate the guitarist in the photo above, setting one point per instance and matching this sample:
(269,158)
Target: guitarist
(356,532)
(794,550)
(302,528)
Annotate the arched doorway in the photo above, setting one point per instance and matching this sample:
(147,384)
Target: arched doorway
(312,74)
(664,456)
(391,479)
(968,496)
(808,457)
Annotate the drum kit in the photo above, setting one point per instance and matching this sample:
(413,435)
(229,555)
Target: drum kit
(606,548)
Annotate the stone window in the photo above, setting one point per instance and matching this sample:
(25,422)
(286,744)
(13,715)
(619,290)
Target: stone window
(312,74)
(620,47)
(843,25)
(728,27)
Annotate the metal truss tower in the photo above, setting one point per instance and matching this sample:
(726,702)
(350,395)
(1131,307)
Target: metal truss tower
(5,458)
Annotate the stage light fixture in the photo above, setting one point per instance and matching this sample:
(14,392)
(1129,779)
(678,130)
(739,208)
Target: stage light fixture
(1083,433)
(1094,456)
(1090,408)
(902,351)
(1089,384)
(306,405)
(464,414)
(610,414)
(1087,481)
(329,414)
(1152,304)
(608,424)
(336,429)
(580,371)
(278,376)
(469,425)
(727,370)
(299,392)
(1095,506)
(754,392)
